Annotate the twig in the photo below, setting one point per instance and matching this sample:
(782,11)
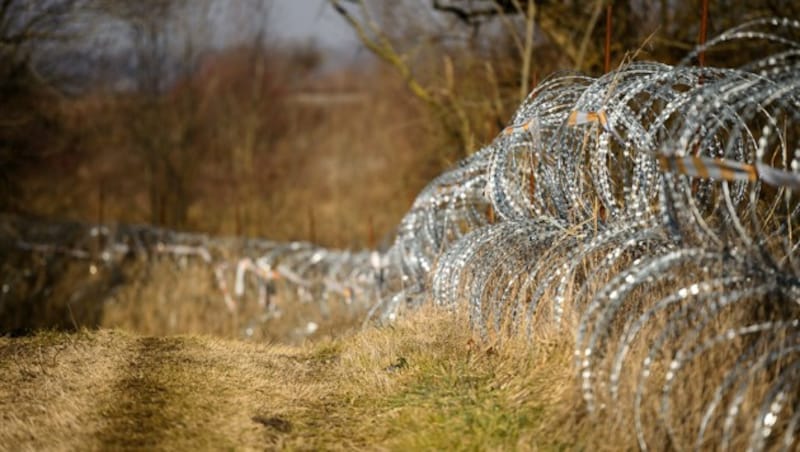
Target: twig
(701,57)
(607,65)
(598,8)
(527,55)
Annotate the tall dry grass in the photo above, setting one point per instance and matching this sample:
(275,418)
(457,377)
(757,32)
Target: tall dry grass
(674,401)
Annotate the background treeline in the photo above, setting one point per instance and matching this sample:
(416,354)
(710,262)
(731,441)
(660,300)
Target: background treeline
(192,115)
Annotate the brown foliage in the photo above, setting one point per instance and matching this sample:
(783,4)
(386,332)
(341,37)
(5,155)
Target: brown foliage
(257,140)
(253,144)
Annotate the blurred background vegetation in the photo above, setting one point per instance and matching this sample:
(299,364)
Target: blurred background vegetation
(195,115)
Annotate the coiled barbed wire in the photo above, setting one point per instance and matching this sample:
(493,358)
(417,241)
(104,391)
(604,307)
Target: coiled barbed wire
(242,269)
(652,212)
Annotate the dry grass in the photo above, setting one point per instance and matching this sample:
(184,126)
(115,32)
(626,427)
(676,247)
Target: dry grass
(159,297)
(424,383)
(337,388)
(427,382)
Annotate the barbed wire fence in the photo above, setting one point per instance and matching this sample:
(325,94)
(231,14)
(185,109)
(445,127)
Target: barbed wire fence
(242,270)
(652,212)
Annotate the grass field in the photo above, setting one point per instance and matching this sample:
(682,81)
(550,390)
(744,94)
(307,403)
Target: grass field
(423,383)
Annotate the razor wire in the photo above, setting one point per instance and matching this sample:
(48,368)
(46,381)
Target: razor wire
(242,270)
(652,211)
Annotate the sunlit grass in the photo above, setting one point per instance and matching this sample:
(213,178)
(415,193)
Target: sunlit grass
(424,383)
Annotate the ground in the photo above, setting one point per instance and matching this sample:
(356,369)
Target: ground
(423,383)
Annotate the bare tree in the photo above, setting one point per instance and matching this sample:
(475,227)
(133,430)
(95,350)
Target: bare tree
(443,99)
(568,25)
(168,40)
(27,28)
(164,50)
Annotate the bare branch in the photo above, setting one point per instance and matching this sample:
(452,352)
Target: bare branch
(475,11)
(468,16)
(598,9)
(382,48)
(527,55)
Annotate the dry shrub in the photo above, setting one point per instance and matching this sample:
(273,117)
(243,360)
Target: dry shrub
(253,144)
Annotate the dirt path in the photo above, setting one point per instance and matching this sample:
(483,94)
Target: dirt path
(422,384)
(112,391)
